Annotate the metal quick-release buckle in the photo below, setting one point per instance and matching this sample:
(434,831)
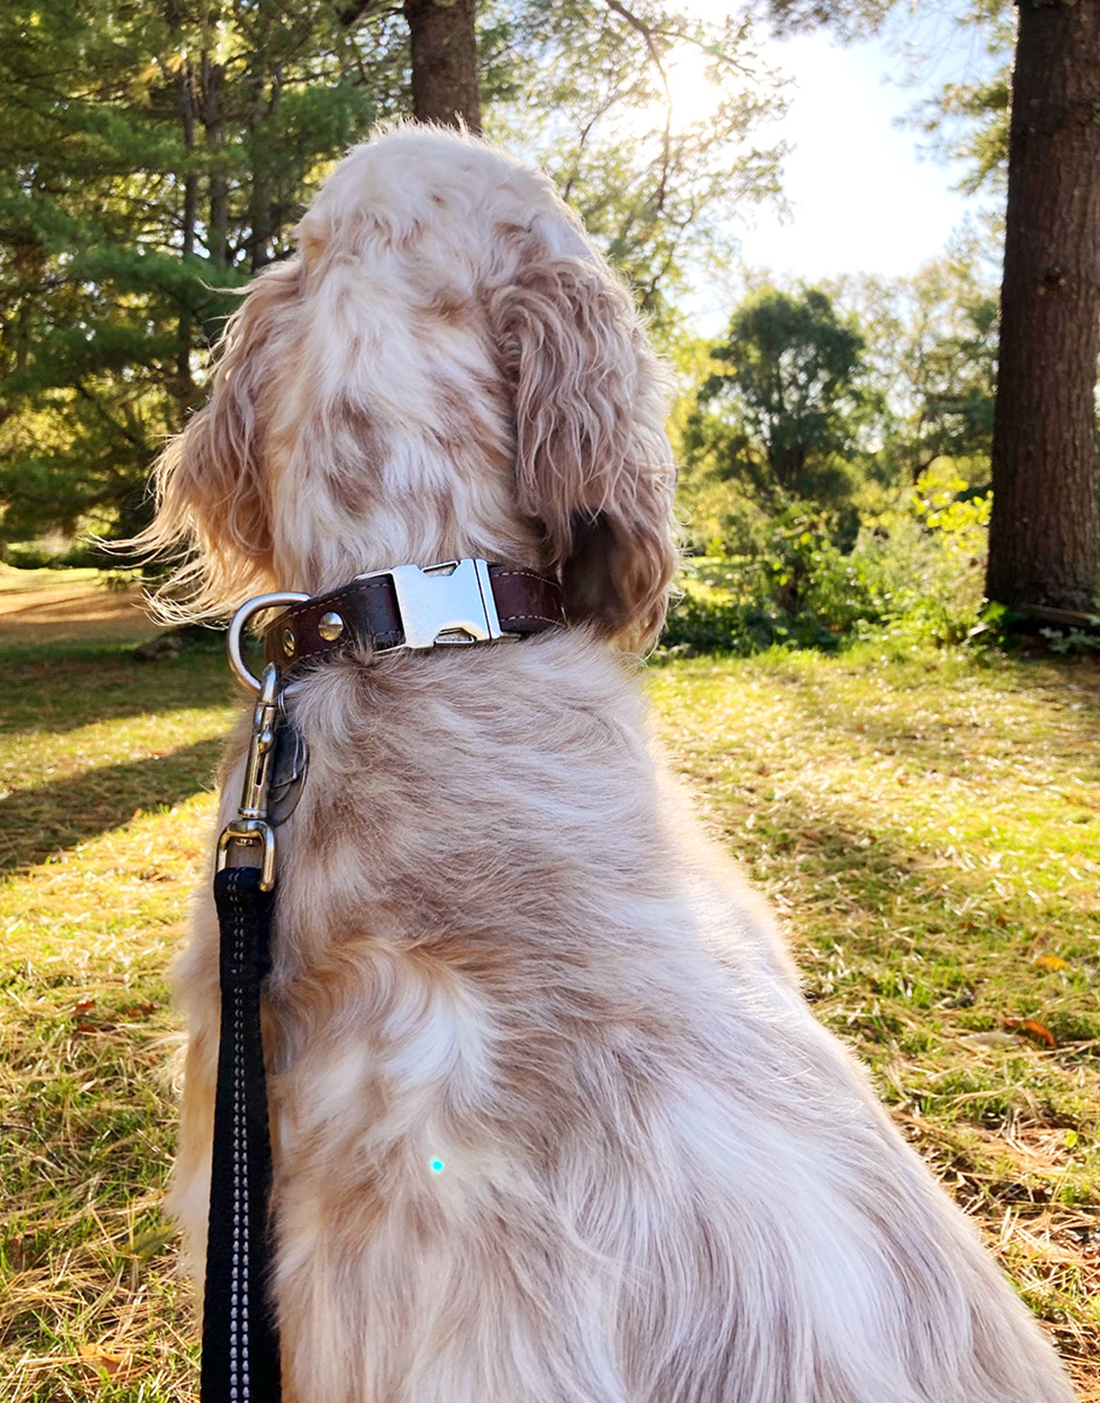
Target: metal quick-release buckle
(449,603)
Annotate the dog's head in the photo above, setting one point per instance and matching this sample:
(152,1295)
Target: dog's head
(447,367)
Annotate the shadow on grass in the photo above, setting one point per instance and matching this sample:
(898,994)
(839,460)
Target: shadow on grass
(892,934)
(37,823)
(61,689)
(955,731)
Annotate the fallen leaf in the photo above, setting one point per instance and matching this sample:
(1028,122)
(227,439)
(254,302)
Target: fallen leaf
(1051,962)
(85,1006)
(114,1364)
(1032,1029)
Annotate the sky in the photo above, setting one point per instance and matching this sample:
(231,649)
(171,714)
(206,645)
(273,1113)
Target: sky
(862,197)
(864,194)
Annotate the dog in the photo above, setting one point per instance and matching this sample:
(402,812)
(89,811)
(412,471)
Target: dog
(551,1120)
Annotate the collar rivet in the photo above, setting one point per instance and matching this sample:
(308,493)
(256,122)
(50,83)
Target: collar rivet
(330,626)
(289,643)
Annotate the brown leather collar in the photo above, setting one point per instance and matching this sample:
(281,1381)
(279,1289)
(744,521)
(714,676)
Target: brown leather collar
(414,608)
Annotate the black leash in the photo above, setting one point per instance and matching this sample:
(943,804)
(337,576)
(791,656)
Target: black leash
(240,1343)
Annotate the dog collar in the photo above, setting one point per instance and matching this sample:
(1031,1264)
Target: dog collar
(452,603)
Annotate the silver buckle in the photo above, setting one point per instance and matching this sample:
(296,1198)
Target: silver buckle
(448,603)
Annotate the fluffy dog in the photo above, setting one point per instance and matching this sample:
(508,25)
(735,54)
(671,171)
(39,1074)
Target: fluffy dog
(498,948)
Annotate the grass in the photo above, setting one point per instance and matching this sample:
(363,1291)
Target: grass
(929,830)
(16,581)
(106,771)
(927,827)
(77,606)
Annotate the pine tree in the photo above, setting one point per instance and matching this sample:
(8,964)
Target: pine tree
(443,53)
(158,157)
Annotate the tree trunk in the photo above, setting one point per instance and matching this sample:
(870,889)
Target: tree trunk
(1044,540)
(267,88)
(217,239)
(190,217)
(444,61)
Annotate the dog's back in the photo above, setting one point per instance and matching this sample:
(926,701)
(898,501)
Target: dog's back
(552,1121)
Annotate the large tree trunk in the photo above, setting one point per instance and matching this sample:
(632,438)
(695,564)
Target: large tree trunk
(444,61)
(1044,541)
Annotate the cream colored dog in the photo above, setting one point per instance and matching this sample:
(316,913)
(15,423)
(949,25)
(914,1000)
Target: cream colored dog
(552,1122)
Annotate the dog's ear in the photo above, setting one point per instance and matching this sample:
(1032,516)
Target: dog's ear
(593,464)
(211,480)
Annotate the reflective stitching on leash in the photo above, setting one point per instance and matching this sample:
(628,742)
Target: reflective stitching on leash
(239,1390)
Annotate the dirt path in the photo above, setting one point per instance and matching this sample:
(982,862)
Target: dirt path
(84,611)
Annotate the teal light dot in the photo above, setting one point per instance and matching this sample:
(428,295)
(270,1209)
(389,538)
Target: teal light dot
(436,1166)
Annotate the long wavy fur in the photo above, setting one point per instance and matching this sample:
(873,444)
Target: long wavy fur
(552,1122)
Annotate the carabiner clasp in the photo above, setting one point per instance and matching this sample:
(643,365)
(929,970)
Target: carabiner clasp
(250,829)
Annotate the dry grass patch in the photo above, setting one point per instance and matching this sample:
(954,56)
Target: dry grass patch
(927,828)
(69,606)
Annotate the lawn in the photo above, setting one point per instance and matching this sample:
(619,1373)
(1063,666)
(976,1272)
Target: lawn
(928,828)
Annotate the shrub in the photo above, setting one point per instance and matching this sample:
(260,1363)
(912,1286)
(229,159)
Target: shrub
(804,577)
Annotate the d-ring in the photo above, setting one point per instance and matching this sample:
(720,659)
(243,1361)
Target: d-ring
(236,629)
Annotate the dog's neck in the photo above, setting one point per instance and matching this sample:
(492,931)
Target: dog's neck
(412,500)
(452,767)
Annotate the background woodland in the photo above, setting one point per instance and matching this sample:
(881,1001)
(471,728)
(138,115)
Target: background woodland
(840,444)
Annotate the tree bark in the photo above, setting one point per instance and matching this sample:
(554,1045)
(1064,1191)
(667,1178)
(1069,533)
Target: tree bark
(190,217)
(444,62)
(1044,540)
(217,239)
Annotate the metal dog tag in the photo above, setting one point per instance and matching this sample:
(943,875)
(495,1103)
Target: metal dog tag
(288,773)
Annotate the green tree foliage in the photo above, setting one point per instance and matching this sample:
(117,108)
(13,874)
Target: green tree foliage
(849,18)
(931,354)
(788,408)
(158,155)
(597,101)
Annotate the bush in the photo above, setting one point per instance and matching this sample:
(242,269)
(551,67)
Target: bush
(707,626)
(914,567)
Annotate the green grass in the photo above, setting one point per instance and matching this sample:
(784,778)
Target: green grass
(930,832)
(106,771)
(928,829)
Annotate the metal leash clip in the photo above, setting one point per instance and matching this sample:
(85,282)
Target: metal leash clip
(251,829)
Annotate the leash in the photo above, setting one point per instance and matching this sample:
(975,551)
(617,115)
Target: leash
(454,602)
(240,1342)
